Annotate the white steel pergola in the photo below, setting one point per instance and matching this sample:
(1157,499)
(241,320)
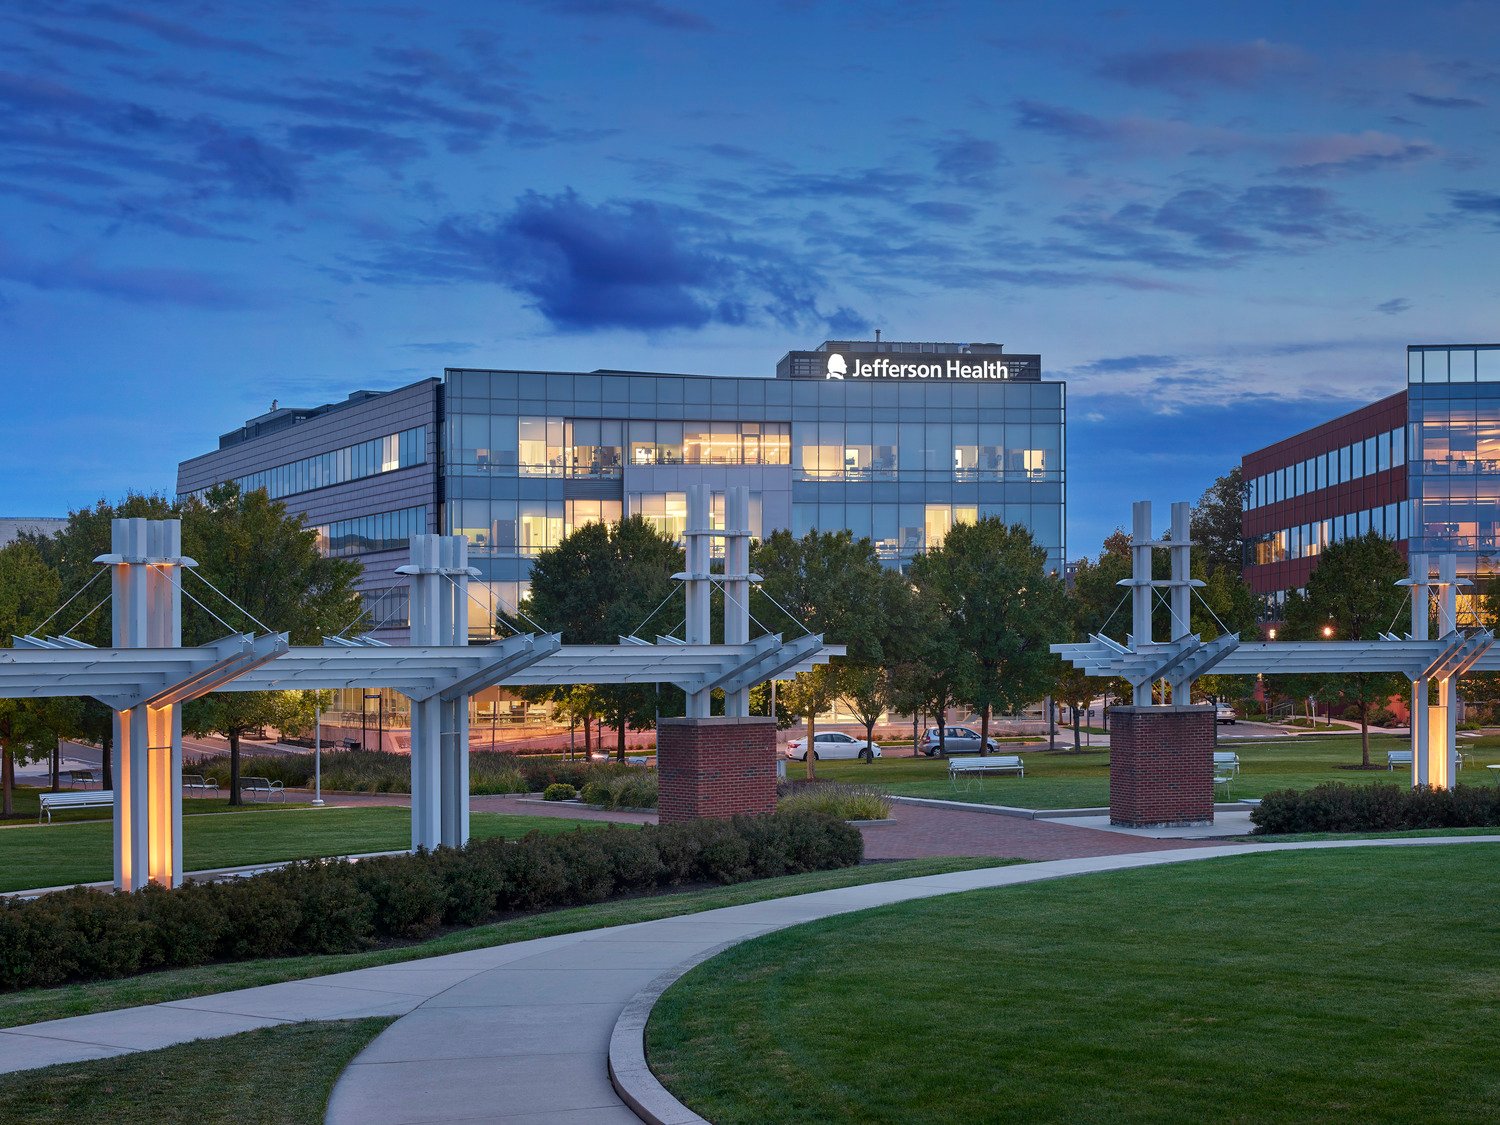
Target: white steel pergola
(1424,661)
(147,675)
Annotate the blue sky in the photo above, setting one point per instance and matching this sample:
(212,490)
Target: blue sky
(1219,222)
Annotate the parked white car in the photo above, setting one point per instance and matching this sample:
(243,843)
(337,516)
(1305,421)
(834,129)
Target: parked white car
(832,744)
(1226,714)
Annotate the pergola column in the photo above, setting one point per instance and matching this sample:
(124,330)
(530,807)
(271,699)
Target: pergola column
(737,580)
(439,573)
(147,612)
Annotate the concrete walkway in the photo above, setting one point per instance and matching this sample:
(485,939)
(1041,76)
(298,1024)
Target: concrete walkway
(519,1033)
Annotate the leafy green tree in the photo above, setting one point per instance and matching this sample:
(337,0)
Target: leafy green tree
(599,583)
(1224,604)
(990,584)
(830,583)
(28,728)
(267,564)
(1216,524)
(1351,596)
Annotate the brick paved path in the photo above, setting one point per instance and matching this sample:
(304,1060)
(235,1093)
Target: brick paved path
(920,830)
(924,830)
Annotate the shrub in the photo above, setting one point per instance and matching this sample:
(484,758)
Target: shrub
(633,789)
(846,802)
(1336,807)
(337,906)
(559,791)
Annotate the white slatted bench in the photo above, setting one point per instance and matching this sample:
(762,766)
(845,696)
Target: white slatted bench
(264,786)
(198,781)
(1226,761)
(1394,758)
(994,763)
(75,799)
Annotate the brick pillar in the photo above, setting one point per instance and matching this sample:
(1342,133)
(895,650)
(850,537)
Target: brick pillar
(715,767)
(1161,766)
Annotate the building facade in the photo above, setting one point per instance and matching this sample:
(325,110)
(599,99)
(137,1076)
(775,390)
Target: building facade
(1421,467)
(894,441)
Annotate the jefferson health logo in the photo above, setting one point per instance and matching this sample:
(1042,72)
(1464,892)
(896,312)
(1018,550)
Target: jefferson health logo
(885,368)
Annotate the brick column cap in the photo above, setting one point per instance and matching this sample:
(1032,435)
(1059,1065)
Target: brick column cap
(1165,709)
(718,721)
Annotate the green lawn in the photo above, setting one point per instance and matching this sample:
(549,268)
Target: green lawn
(26,805)
(274,1075)
(57,854)
(1064,780)
(33,1005)
(1358,985)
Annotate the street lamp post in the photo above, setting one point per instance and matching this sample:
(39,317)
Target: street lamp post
(317,756)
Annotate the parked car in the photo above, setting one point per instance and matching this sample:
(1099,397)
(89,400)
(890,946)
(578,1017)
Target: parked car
(956,740)
(1226,714)
(832,744)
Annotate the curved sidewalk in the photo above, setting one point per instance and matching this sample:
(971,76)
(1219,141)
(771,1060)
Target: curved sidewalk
(524,1037)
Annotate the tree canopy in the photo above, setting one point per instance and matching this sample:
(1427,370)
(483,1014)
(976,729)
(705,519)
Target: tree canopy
(989,585)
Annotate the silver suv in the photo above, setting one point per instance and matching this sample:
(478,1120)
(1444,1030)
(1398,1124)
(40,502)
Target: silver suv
(956,740)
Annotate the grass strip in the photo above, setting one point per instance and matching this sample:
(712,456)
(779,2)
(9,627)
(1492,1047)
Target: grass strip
(1329,986)
(63,854)
(35,1005)
(273,1076)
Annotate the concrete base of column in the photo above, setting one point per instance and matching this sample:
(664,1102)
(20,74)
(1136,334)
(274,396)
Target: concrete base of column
(715,767)
(1161,766)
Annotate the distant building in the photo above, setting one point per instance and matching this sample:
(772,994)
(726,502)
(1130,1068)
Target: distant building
(1421,467)
(11,527)
(895,441)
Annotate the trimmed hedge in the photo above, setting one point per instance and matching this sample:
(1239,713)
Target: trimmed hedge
(381,771)
(1336,807)
(334,906)
(833,798)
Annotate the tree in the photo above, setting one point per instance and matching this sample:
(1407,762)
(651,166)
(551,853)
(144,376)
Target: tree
(28,728)
(601,582)
(267,564)
(1216,524)
(1224,604)
(1353,595)
(830,583)
(990,584)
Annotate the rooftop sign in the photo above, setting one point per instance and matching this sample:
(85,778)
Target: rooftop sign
(846,366)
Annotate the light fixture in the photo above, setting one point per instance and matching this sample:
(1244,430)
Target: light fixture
(1271,633)
(1327,631)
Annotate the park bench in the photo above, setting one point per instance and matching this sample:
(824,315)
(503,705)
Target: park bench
(82,777)
(1226,761)
(198,781)
(262,785)
(1394,758)
(994,763)
(77,799)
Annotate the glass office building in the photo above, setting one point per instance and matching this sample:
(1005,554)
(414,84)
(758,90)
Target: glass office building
(1421,467)
(895,441)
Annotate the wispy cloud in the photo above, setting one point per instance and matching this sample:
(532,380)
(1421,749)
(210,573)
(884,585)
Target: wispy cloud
(1193,68)
(1435,101)
(1393,307)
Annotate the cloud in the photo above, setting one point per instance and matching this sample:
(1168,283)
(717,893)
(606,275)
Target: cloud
(632,263)
(1432,101)
(1131,363)
(180,35)
(1211,226)
(248,166)
(1394,306)
(1187,70)
(1479,204)
(938,211)
(1062,122)
(370,144)
(442,346)
(138,285)
(1344,153)
(967,161)
(646,11)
